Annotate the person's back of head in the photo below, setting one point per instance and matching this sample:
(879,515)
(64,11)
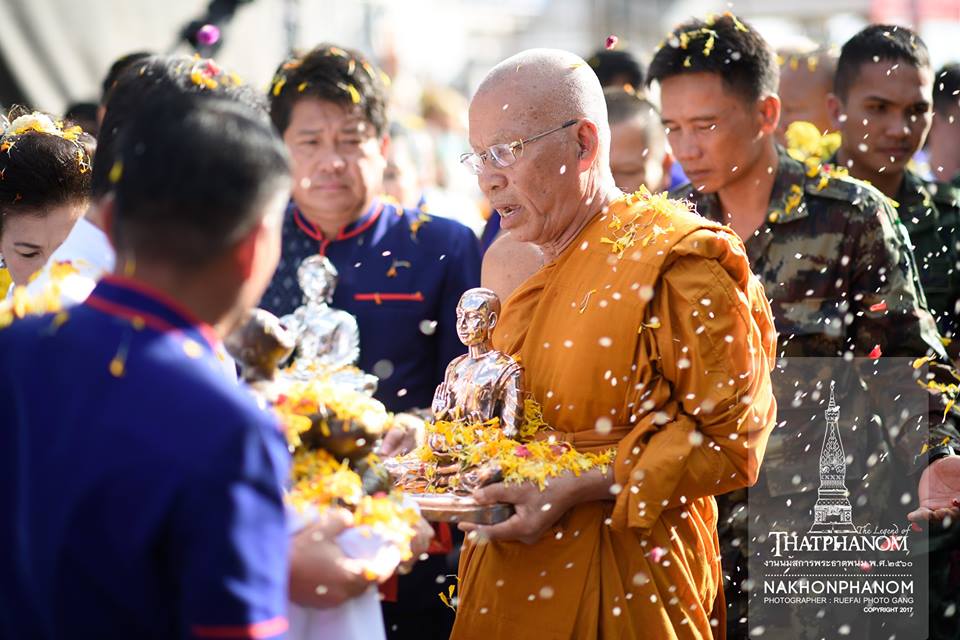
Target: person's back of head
(44,188)
(617,68)
(944,138)
(946,90)
(806,79)
(718,99)
(118,67)
(157,78)
(638,145)
(110,79)
(199,182)
(83,114)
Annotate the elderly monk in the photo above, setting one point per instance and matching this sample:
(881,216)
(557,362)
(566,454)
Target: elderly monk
(644,331)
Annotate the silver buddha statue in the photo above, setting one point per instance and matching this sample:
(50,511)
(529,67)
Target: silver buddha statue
(482,384)
(328,339)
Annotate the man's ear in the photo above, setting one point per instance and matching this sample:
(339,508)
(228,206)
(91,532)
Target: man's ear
(492,320)
(835,109)
(244,252)
(769,114)
(667,166)
(385,145)
(106,209)
(588,139)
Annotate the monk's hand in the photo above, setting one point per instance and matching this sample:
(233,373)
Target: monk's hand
(321,576)
(939,491)
(401,436)
(535,510)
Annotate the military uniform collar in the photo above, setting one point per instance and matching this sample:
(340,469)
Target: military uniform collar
(913,192)
(786,199)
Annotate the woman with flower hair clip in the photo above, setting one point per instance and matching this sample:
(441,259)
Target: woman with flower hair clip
(44,187)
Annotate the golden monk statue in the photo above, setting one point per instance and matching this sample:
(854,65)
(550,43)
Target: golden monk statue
(483,383)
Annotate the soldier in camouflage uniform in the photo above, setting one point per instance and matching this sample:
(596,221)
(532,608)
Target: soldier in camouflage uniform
(835,263)
(882,105)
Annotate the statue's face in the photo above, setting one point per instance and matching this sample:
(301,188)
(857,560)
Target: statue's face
(318,280)
(473,325)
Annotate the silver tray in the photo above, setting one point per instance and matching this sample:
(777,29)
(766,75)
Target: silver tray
(445,507)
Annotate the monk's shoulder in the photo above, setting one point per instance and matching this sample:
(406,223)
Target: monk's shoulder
(508,263)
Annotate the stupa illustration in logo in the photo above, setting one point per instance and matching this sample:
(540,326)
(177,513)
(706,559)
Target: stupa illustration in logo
(832,513)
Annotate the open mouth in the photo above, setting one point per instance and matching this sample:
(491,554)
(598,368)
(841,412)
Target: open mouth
(507,211)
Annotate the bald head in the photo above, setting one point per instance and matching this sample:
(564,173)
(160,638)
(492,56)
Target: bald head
(545,87)
(541,143)
(806,77)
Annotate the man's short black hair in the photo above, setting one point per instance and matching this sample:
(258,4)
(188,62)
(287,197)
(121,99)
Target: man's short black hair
(192,177)
(724,45)
(331,73)
(624,105)
(83,114)
(117,68)
(156,78)
(875,43)
(946,88)
(616,68)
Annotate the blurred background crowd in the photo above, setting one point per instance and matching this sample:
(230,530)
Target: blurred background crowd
(54,55)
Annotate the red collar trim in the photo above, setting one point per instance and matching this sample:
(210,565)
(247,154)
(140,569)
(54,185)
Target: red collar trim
(315,233)
(151,320)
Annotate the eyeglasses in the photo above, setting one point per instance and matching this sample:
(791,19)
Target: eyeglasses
(504,155)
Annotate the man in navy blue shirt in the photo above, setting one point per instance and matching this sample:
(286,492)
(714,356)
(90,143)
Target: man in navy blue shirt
(401,272)
(142,490)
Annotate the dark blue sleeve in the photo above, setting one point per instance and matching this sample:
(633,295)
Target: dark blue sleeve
(462,272)
(230,539)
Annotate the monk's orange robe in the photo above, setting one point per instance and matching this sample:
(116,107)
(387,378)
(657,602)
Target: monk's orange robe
(659,344)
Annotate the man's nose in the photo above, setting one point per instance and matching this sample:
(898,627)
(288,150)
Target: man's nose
(898,126)
(328,160)
(491,177)
(686,147)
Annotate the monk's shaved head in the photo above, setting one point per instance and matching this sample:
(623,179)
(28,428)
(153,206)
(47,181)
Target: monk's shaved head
(541,146)
(545,87)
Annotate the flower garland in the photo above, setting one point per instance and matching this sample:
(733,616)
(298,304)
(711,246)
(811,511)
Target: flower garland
(20,303)
(38,122)
(320,481)
(528,458)
(642,226)
(351,410)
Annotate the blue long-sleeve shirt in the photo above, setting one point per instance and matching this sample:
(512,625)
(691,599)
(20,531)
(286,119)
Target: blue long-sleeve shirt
(141,487)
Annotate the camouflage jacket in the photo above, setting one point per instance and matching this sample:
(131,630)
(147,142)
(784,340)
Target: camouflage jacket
(836,266)
(931,213)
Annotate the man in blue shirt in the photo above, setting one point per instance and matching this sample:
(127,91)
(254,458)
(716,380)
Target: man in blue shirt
(142,494)
(401,272)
